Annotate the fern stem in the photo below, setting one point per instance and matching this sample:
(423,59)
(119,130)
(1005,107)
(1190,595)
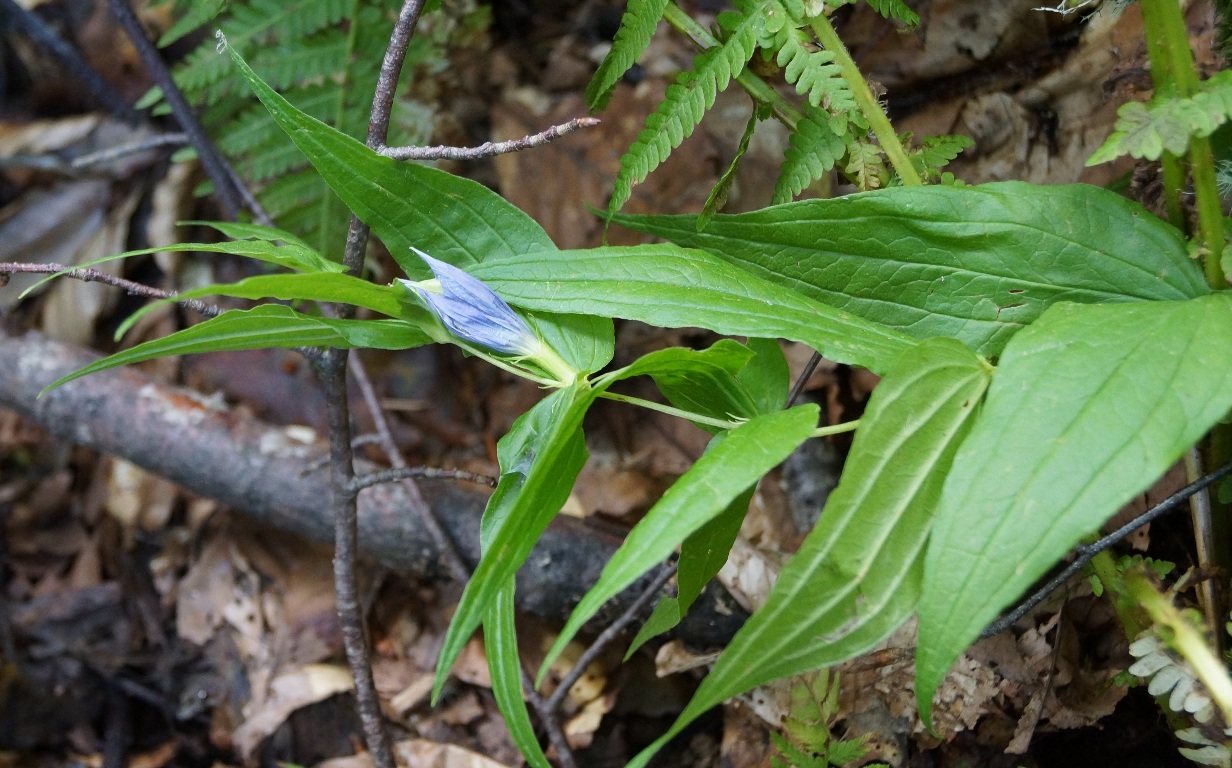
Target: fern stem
(1210,210)
(1174,75)
(758,89)
(876,116)
(1185,638)
(1174,182)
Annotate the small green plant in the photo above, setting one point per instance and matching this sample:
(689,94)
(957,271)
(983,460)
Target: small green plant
(805,740)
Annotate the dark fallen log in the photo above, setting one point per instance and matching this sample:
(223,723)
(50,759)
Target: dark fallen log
(257,470)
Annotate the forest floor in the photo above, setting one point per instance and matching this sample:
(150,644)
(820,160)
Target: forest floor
(147,625)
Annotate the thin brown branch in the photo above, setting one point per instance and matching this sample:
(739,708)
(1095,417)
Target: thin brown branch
(490,148)
(211,159)
(43,35)
(332,370)
(608,635)
(427,473)
(95,276)
(547,716)
(104,156)
(253,469)
(797,389)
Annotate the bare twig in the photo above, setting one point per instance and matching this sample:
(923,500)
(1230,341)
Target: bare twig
(346,536)
(104,156)
(1087,552)
(95,276)
(384,437)
(211,159)
(798,388)
(608,635)
(428,473)
(332,370)
(490,148)
(38,31)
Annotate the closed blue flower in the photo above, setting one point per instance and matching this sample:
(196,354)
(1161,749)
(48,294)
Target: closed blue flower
(472,312)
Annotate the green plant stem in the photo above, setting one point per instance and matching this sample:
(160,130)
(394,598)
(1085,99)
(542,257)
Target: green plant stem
(1210,210)
(1175,76)
(869,106)
(669,410)
(758,89)
(836,429)
(1184,638)
(1174,182)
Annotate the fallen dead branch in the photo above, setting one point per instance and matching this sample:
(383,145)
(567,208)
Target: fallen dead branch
(257,470)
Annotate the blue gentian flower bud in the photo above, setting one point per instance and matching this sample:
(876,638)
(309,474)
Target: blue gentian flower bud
(472,312)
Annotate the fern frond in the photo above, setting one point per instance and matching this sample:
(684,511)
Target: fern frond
(895,9)
(637,27)
(936,152)
(806,66)
(813,149)
(294,20)
(1167,124)
(197,15)
(684,104)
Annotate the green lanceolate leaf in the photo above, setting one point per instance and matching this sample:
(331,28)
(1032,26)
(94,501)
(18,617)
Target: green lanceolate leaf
(703,382)
(239,230)
(539,460)
(1090,405)
(733,462)
(767,375)
(308,286)
(452,219)
(857,575)
(702,556)
(972,263)
(676,288)
(267,326)
(505,667)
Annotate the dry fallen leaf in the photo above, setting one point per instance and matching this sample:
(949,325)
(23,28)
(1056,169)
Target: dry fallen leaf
(288,692)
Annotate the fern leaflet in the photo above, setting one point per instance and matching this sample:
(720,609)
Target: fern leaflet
(686,101)
(637,26)
(811,70)
(813,149)
(936,152)
(1166,124)
(895,9)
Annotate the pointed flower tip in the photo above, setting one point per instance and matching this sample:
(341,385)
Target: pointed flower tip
(473,312)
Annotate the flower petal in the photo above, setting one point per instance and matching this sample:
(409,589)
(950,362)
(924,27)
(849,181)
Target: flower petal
(473,312)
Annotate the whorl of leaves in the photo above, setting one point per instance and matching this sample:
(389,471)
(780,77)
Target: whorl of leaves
(686,101)
(810,69)
(813,149)
(1166,124)
(637,27)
